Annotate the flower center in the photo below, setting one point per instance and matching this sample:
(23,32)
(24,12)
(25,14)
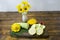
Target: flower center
(16,28)
(20,9)
(25,8)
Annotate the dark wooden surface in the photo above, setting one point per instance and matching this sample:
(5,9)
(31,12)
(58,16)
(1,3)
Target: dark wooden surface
(51,19)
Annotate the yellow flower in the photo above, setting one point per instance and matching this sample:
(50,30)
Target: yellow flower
(23,7)
(26,9)
(20,8)
(15,27)
(32,21)
(26,3)
(29,5)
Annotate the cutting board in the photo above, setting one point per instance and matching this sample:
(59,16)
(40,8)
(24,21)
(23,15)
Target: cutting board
(27,35)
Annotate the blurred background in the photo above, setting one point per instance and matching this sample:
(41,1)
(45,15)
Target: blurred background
(47,11)
(36,5)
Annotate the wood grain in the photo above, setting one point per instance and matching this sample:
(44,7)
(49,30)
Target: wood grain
(50,18)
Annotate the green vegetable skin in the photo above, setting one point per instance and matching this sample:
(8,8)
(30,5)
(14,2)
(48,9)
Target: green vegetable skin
(24,25)
(21,32)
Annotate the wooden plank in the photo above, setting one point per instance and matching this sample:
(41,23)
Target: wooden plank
(54,38)
(52,30)
(51,20)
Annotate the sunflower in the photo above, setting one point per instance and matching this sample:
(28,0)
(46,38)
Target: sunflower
(26,8)
(32,21)
(15,27)
(23,7)
(20,8)
(26,3)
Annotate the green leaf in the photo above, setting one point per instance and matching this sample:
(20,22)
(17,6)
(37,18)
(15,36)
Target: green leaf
(21,32)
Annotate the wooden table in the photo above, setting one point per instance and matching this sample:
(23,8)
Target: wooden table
(51,19)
